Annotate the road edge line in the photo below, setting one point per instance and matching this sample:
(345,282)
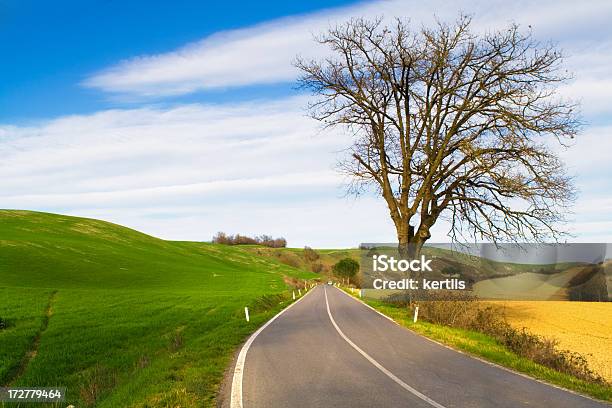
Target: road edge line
(482,360)
(366,305)
(236,391)
(376,363)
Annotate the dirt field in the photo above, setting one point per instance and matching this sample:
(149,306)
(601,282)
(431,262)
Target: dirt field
(584,327)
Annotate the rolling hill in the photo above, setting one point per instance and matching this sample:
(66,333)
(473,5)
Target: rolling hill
(121,318)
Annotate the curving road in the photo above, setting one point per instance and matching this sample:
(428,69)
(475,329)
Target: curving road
(330,350)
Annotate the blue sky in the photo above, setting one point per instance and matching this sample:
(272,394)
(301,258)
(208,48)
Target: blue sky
(53,46)
(180,119)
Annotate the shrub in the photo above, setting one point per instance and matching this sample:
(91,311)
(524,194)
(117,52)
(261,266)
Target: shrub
(268,241)
(545,351)
(462,310)
(265,240)
(316,267)
(222,238)
(289,258)
(3,324)
(457,312)
(451,270)
(294,282)
(244,240)
(310,255)
(280,243)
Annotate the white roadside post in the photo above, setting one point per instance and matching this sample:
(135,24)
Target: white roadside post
(360,292)
(299,292)
(293,293)
(416,314)
(246,313)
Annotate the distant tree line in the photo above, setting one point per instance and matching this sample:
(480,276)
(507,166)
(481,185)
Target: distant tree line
(265,240)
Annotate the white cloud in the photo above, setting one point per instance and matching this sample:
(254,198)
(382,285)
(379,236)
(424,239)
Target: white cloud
(257,55)
(262,54)
(198,142)
(188,171)
(589,153)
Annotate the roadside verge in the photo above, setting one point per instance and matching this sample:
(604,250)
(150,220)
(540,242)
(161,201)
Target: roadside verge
(230,394)
(487,350)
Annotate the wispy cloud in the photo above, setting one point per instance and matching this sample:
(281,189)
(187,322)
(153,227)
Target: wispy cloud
(186,171)
(262,54)
(151,147)
(255,55)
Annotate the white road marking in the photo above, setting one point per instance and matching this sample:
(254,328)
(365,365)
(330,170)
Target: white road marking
(482,360)
(236,396)
(377,364)
(366,305)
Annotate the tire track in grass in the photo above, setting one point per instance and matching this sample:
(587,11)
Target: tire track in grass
(33,349)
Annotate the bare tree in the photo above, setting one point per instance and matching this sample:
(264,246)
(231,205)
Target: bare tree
(449,124)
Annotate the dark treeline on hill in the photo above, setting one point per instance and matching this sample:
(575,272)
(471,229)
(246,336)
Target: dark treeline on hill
(265,240)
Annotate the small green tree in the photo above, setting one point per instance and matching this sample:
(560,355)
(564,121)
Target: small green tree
(346,268)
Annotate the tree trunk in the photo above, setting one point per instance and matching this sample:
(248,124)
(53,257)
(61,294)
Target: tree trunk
(409,247)
(405,236)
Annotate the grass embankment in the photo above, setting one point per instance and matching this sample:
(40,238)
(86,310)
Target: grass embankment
(121,318)
(487,347)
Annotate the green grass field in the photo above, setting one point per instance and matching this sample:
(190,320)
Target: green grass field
(121,318)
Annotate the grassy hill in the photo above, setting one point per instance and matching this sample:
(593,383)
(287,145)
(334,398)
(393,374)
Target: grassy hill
(121,318)
(295,257)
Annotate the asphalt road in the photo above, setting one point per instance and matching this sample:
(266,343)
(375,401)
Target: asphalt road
(330,350)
